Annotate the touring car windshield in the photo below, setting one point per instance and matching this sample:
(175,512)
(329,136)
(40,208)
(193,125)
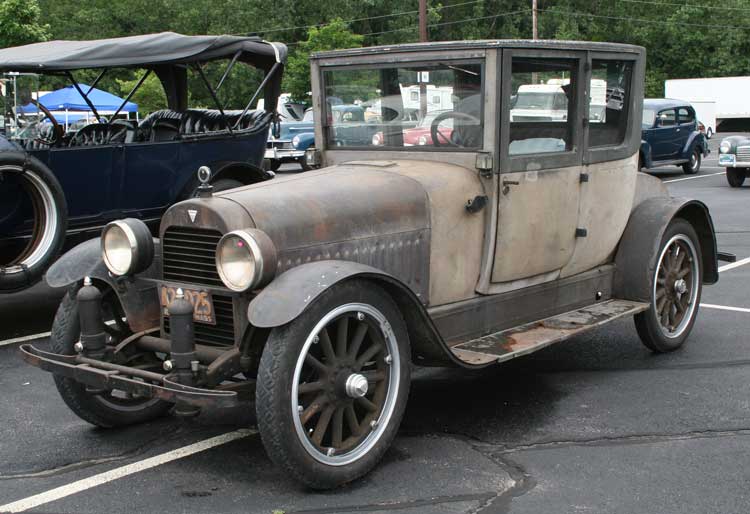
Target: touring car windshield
(383,107)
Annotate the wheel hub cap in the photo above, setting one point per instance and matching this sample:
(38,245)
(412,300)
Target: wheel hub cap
(356,386)
(680,286)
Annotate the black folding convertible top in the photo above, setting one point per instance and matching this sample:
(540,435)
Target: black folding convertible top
(143,51)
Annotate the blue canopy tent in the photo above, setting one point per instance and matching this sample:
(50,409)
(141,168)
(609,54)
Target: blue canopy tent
(68,101)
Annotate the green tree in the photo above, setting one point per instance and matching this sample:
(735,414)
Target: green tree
(333,36)
(19,23)
(150,96)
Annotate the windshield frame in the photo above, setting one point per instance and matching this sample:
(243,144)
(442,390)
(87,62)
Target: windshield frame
(479,60)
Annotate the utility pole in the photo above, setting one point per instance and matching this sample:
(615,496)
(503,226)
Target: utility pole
(423,39)
(534,27)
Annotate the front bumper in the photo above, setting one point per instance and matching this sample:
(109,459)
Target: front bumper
(107,376)
(283,153)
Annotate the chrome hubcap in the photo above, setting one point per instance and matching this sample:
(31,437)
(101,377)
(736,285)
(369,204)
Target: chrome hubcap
(356,386)
(680,286)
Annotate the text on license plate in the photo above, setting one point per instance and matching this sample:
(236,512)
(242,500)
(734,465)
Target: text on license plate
(203,306)
(726,159)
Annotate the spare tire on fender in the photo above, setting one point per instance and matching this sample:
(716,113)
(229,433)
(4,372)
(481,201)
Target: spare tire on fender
(33,220)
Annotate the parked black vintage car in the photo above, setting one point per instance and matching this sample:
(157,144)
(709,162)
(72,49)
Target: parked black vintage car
(58,189)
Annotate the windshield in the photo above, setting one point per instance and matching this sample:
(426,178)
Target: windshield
(23,119)
(308,117)
(380,107)
(649,116)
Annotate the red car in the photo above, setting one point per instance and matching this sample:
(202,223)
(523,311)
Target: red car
(420,135)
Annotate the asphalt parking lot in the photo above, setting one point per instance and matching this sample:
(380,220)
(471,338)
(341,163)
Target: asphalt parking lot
(594,424)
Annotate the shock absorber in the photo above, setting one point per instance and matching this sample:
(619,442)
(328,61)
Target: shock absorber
(93,337)
(183,359)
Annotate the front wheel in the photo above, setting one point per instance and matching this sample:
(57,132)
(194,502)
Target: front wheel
(303,163)
(736,176)
(111,408)
(332,385)
(676,290)
(693,166)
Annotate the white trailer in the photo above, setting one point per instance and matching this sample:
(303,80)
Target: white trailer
(706,113)
(729,93)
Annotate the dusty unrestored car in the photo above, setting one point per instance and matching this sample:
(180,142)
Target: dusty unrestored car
(734,155)
(315,294)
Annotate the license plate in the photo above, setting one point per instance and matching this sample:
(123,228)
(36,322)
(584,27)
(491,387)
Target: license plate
(203,305)
(727,158)
(270,153)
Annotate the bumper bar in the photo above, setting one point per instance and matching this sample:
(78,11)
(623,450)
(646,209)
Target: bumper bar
(105,375)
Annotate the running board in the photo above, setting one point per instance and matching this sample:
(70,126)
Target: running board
(522,340)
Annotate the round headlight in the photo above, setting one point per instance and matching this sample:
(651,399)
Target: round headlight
(127,246)
(725,147)
(295,141)
(245,259)
(376,139)
(422,141)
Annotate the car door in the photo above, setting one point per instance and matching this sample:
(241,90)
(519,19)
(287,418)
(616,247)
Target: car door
(539,174)
(686,127)
(665,136)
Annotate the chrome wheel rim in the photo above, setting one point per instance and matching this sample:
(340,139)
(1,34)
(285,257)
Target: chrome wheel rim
(676,286)
(338,419)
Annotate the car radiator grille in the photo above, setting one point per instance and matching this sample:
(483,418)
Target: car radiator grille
(743,153)
(280,145)
(189,258)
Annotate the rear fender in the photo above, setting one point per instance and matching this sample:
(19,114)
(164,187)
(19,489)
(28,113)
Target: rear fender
(698,140)
(284,299)
(638,250)
(137,295)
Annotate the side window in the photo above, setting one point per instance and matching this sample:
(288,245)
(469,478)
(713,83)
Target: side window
(686,115)
(542,100)
(609,100)
(666,118)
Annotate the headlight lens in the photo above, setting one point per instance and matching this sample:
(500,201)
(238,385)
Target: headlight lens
(245,259)
(422,141)
(725,147)
(127,246)
(295,141)
(376,139)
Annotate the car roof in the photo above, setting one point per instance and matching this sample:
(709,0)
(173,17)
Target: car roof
(551,44)
(663,103)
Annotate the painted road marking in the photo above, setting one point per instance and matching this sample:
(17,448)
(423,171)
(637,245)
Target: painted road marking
(725,307)
(693,178)
(33,337)
(733,265)
(108,476)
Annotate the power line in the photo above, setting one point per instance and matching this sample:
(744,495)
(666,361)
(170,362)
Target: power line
(672,4)
(347,22)
(640,20)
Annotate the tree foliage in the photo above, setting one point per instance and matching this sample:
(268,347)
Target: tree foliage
(20,23)
(683,39)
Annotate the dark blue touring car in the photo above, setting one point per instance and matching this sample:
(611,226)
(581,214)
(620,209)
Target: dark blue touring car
(670,136)
(58,188)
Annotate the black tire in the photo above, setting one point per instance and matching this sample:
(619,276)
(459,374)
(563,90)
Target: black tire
(736,176)
(23,264)
(99,410)
(693,166)
(640,162)
(226,183)
(709,133)
(275,401)
(650,328)
(274,164)
(303,163)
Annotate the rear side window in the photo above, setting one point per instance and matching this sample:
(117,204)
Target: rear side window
(609,98)
(686,115)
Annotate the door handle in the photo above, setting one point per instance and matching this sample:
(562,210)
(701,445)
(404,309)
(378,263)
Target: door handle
(507,184)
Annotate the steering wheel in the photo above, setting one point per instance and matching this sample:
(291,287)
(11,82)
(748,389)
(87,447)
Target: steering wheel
(57,130)
(437,136)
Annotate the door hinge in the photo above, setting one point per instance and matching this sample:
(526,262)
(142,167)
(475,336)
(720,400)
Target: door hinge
(581,232)
(584,177)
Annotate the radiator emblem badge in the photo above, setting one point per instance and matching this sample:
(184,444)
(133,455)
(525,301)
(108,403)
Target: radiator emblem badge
(192,213)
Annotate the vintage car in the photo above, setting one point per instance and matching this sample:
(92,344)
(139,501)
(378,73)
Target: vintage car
(294,138)
(671,136)
(734,155)
(61,188)
(315,294)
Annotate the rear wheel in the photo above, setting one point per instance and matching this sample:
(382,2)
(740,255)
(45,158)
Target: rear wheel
(676,290)
(332,385)
(736,176)
(111,408)
(693,166)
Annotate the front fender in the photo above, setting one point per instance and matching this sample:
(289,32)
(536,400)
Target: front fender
(305,141)
(284,299)
(137,294)
(639,246)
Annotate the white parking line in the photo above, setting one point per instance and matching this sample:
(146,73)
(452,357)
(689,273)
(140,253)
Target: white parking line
(123,471)
(23,339)
(693,178)
(725,307)
(733,265)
